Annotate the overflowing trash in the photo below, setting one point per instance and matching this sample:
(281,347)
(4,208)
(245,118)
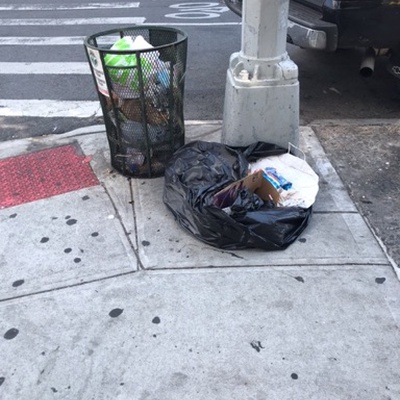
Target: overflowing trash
(258,196)
(296,181)
(125,82)
(139,73)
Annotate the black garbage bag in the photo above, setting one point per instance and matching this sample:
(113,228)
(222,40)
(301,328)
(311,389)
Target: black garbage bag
(199,170)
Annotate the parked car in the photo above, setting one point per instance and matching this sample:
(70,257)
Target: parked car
(329,25)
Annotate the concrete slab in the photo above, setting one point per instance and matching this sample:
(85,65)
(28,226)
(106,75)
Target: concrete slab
(12,148)
(320,244)
(118,187)
(210,131)
(61,241)
(80,319)
(232,334)
(332,196)
(336,235)
(331,238)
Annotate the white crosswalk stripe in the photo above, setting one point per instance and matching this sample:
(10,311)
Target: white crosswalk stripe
(19,44)
(57,7)
(41,41)
(49,108)
(45,107)
(47,68)
(51,41)
(71,21)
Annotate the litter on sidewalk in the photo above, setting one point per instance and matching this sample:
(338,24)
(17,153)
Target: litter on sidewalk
(233,198)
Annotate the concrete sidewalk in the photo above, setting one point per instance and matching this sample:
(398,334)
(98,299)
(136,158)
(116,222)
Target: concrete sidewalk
(103,296)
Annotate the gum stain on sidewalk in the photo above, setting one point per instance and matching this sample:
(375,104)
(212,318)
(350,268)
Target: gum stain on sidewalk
(42,174)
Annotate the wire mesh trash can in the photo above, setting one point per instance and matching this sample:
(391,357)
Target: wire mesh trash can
(139,73)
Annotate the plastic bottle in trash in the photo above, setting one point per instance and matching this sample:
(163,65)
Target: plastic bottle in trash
(161,86)
(163,73)
(134,159)
(277,180)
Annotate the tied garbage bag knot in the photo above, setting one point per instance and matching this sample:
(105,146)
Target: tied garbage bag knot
(220,196)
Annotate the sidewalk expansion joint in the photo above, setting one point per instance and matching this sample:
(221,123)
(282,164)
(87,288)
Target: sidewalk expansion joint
(131,244)
(132,203)
(365,264)
(266,268)
(336,212)
(67,286)
(205,134)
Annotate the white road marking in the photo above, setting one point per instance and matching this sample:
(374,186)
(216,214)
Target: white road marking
(63,108)
(49,108)
(41,41)
(47,68)
(139,21)
(72,21)
(56,7)
(197,10)
(53,41)
(197,23)
(78,40)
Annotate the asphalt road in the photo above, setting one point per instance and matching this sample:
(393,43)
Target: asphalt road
(330,86)
(213,31)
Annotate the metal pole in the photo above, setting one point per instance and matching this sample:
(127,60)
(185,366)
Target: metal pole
(262,89)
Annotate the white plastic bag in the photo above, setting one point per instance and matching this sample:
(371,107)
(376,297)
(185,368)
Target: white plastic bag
(304,180)
(125,81)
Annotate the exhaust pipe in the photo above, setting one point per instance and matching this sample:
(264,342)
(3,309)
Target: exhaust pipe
(368,63)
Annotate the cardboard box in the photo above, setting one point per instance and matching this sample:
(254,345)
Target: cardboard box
(255,182)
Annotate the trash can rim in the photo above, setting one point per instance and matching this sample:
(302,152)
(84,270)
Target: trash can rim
(132,28)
